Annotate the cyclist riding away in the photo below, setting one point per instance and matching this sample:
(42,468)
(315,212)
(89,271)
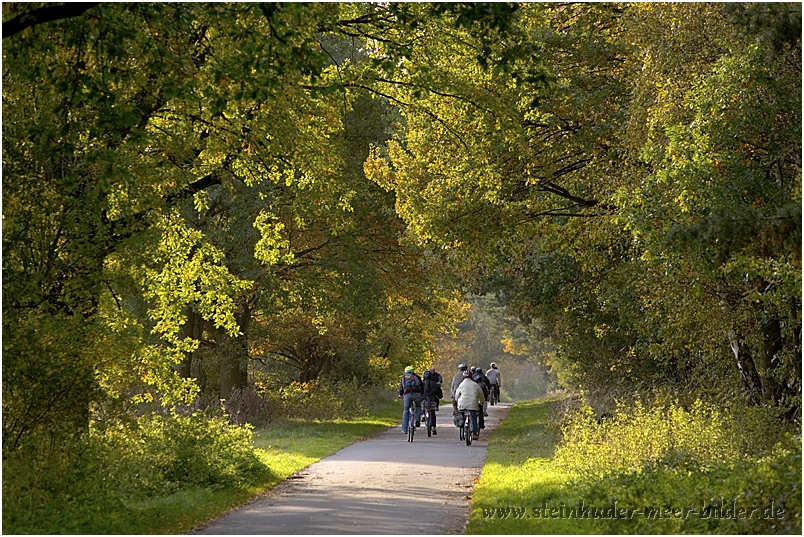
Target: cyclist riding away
(479,379)
(436,376)
(431,394)
(411,388)
(469,396)
(493,375)
(486,385)
(456,381)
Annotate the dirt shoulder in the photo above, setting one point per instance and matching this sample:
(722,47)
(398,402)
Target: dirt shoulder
(384,485)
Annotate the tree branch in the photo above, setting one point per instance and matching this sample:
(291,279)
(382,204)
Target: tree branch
(125,227)
(45,14)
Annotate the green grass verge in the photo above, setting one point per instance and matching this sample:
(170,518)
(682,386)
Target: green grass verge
(523,491)
(286,447)
(518,475)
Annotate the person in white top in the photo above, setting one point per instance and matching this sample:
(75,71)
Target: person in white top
(493,375)
(469,396)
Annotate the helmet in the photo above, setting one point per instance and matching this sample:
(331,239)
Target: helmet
(478,370)
(409,369)
(426,374)
(493,365)
(462,367)
(466,373)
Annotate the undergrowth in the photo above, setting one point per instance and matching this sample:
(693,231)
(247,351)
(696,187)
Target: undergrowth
(655,469)
(165,473)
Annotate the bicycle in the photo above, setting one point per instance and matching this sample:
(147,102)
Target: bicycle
(412,420)
(466,428)
(493,398)
(429,416)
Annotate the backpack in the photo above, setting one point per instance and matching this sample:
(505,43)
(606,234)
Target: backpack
(411,383)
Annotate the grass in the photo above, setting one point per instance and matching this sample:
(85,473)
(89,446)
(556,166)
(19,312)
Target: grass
(295,444)
(518,476)
(285,447)
(523,489)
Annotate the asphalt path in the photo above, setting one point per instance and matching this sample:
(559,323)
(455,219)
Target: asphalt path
(383,485)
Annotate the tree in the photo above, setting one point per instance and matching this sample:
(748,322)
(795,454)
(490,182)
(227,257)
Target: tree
(117,117)
(134,109)
(615,196)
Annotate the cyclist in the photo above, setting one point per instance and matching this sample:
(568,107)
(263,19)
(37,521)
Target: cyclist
(493,375)
(431,392)
(438,379)
(469,396)
(486,385)
(456,381)
(436,375)
(478,378)
(410,387)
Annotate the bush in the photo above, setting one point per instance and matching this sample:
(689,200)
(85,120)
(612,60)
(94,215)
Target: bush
(60,489)
(245,405)
(317,400)
(697,458)
(90,485)
(166,453)
(640,434)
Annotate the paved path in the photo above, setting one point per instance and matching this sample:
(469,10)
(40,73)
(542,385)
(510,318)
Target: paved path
(384,485)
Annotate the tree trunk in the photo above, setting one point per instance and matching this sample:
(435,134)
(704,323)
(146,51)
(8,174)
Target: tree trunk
(234,362)
(746,367)
(192,328)
(769,361)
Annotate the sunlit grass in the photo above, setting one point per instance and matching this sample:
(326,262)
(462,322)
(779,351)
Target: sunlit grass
(519,474)
(525,489)
(291,445)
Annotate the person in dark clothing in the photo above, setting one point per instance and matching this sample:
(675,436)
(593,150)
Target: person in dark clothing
(436,376)
(432,393)
(478,377)
(486,385)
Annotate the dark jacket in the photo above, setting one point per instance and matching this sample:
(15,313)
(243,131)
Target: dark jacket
(435,375)
(485,380)
(483,385)
(432,391)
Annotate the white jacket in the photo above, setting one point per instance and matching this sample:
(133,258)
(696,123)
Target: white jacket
(469,395)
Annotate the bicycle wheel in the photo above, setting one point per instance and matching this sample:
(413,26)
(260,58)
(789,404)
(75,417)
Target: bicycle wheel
(411,426)
(468,434)
(428,420)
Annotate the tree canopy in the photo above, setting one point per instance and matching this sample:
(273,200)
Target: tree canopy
(197,192)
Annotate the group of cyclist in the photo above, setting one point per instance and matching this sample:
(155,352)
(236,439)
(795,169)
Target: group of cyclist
(470,391)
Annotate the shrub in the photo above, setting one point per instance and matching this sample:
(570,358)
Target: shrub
(244,405)
(60,489)
(317,400)
(699,458)
(169,452)
(640,434)
(305,400)
(88,486)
